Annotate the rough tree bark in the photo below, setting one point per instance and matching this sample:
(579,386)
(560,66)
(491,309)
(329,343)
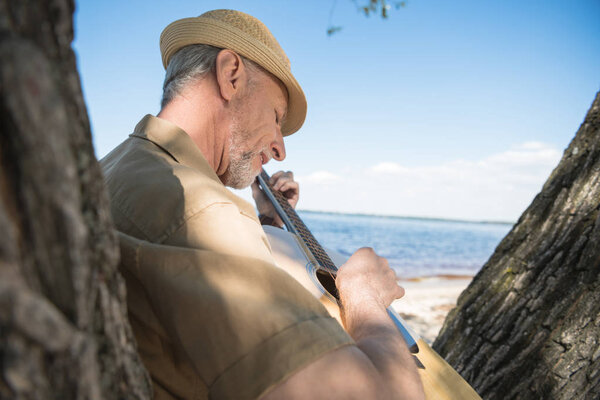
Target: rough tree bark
(63,323)
(528,326)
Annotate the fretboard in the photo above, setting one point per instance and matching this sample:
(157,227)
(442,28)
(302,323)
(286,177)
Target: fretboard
(294,224)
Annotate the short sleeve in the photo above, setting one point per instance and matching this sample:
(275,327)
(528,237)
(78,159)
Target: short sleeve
(244,324)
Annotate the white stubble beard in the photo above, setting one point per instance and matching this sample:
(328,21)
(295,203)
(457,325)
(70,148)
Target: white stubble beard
(239,173)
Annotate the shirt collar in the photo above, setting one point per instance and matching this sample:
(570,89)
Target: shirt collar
(175,141)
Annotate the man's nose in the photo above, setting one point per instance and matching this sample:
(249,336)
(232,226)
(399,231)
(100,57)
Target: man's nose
(278,148)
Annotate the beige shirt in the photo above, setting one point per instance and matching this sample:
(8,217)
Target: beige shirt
(212,314)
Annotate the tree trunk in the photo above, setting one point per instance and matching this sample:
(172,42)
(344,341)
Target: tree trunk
(63,321)
(528,326)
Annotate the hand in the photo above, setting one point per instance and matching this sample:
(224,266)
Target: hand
(366,283)
(283,182)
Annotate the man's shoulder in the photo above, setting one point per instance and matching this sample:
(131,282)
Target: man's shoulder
(151,193)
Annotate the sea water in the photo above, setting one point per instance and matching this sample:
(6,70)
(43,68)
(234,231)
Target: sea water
(414,247)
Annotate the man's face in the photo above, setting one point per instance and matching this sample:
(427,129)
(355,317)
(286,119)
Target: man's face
(255,130)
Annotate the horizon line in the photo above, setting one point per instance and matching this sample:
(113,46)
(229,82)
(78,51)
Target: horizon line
(440,219)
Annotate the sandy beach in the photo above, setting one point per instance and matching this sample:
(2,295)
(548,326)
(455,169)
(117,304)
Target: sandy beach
(427,301)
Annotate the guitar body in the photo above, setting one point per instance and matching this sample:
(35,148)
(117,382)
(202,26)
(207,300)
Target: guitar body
(290,256)
(439,379)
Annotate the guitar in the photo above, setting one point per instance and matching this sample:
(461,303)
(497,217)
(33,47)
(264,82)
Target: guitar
(298,252)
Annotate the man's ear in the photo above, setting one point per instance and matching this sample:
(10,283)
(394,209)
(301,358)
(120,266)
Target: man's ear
(230,73)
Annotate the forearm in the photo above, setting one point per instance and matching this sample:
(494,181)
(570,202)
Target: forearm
(378,338)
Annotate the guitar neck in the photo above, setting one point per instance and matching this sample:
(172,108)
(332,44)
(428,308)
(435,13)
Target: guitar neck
(294,224)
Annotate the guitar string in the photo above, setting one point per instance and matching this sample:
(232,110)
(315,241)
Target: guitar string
(309,240)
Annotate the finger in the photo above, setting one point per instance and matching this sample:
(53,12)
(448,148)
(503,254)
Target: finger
(400,292)
(289,188)
(391,275)
(275,177)
(281,179)
(384,262)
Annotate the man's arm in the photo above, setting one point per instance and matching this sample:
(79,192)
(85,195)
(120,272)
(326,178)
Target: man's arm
(380,366)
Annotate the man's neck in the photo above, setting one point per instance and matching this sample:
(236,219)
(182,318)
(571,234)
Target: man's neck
(201,125)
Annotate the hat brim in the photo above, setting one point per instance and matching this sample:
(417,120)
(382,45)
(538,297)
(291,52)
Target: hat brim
(199,30)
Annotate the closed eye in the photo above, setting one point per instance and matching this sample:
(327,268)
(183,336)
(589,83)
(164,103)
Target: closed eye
(280,117)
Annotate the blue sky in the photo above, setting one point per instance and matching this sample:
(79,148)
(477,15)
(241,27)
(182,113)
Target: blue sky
(455,109)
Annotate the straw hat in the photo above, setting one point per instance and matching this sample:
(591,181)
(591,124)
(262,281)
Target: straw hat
(247,36)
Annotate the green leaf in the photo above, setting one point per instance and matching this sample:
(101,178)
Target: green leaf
(333,29)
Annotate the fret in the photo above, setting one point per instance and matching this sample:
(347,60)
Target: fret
(299,227)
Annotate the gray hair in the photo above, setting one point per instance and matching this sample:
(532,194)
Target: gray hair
(192,63)
(188,64)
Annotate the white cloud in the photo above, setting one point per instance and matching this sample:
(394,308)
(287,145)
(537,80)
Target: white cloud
(388,168)
(530,154)
(497,187)
(319,178)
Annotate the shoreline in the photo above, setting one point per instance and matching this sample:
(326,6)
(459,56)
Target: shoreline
(428,300)
(424,278)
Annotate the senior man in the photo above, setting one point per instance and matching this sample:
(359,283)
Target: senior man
(212,315)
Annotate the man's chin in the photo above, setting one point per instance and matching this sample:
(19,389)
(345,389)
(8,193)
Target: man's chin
(238,182)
